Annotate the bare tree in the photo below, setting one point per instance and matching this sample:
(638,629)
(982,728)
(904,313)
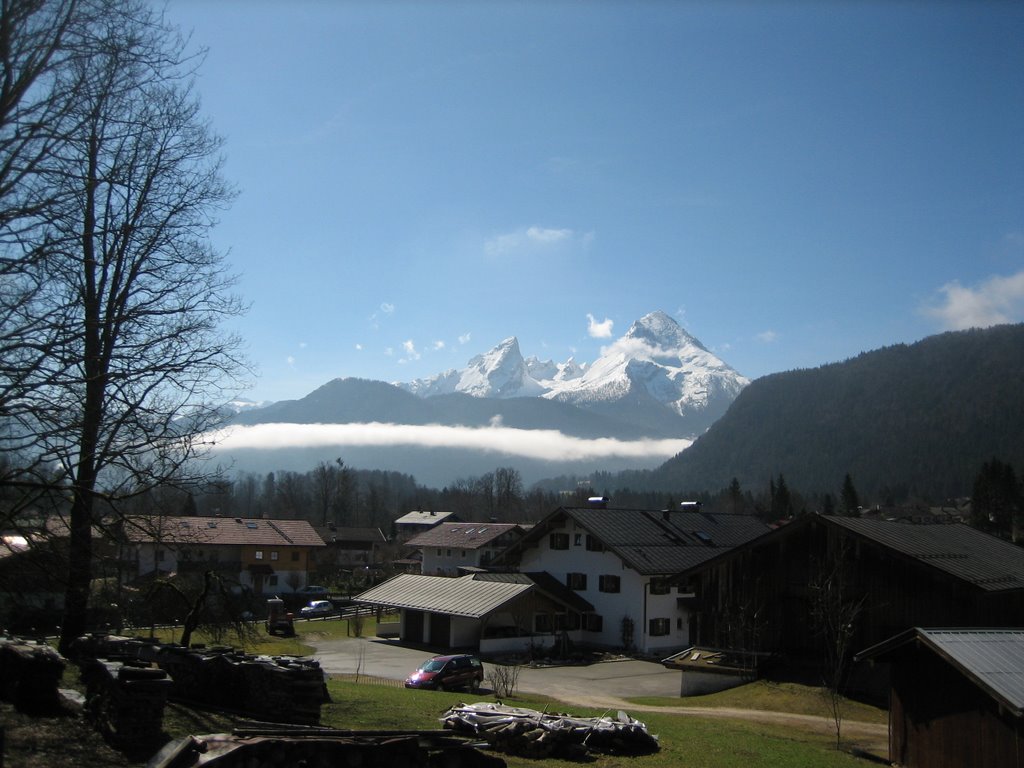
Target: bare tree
(835,610)
(131,363)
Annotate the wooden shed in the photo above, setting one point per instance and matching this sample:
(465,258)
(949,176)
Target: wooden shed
(956,697)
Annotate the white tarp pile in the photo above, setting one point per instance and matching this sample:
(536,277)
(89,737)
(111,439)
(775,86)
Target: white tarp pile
(530,733)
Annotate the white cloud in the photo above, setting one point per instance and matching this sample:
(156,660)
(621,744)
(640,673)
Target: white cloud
(533,239)
(387,308)
(410,351)
(547,236)
(996,300)
(359,347)
(290,360)
(599,330)
(439,345)
(767,336)
(548,445)
(464,338)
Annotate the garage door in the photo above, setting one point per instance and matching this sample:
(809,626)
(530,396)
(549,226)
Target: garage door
(440,630)
(413,626)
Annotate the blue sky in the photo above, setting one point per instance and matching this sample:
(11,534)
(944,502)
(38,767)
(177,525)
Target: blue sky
(794,182)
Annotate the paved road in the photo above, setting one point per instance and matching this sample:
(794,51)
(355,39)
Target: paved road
(389,659)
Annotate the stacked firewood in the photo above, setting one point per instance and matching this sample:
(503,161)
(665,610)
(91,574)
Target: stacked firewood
(30,673)
(125,702)
(534,734)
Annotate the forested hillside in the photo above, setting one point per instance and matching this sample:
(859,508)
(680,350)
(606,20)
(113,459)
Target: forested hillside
(907,420)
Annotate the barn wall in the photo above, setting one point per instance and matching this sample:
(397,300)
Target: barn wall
(938,719)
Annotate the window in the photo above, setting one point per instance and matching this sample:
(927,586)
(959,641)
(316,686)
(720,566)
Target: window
(608,583)
(273,554)
(577,539)
(439,551)
(660,587)
(567,622)
(447,553)
(259,554)
(295,557)
(558,541)
(576,581)
(594,544)
(594,622)
(658,627)
(463,553)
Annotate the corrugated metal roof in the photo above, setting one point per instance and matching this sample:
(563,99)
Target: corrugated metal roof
(464,535)
(463,596)
(976,557)
(992,658)
(545,583)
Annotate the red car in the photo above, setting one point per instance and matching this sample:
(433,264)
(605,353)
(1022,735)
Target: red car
(447,672)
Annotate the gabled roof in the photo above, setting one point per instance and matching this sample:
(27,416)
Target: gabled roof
(954,549)
(221,530)
(425,517)
(462,535)
(651,542)
(966,553)
(991,658)
(464,596)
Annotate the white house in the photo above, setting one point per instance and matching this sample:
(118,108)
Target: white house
(449,547)
(620,561)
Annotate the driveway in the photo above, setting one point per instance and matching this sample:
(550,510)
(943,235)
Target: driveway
(610,680)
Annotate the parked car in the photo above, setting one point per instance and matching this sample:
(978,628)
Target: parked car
(447,672)
(312,589)
(317,608)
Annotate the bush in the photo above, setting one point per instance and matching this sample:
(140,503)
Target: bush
(504,679)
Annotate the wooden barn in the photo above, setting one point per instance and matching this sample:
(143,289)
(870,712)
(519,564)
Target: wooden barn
(762,595)
(957,697)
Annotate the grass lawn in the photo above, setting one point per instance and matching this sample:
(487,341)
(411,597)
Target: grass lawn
(775,697)
(686,740)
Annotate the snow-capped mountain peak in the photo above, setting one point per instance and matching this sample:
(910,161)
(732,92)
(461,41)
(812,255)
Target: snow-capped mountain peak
(502,373)
(655,367)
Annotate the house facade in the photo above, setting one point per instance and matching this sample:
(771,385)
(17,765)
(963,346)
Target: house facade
(260,555)
(621,562)
(448,548)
